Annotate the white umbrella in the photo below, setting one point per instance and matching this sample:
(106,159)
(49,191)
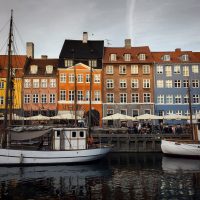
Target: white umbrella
(148,117)
(38,117)
(118,116)
(174,117)
(65,116)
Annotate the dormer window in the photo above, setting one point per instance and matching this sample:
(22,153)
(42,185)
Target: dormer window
(68,62)
(34,69)
(92,63)
(166,57)
(49,69)
(127,57)
(142,56)
(185,57)
(113,57)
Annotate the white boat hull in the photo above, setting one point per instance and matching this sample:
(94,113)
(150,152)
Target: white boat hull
(180,149)
(11,156)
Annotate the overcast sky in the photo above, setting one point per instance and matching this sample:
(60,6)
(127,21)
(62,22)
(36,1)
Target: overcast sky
(163,25)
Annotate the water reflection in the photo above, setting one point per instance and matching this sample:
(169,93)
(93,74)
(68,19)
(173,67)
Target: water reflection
(119,176)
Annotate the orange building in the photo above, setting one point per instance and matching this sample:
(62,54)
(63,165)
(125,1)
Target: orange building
(67,87)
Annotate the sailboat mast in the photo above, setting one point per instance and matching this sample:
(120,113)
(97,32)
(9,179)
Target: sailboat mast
(90,102)
(75,97)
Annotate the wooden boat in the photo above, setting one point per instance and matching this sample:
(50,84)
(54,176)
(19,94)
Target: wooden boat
(64,145)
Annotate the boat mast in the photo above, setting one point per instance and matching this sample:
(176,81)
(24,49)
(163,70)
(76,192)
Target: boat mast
(90,103)
(9,83)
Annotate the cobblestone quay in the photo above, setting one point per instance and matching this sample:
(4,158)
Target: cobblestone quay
(125,142)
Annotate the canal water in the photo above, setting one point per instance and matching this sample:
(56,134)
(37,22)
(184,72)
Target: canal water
(118,176)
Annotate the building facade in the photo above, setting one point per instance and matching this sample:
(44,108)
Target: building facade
(128,81)
(176,79)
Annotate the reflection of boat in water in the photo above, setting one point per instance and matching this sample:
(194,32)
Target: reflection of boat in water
(173,164)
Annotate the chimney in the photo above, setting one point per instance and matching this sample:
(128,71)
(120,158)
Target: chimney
(85,37)
(178,50)
(44,57)
(30,49)
(127,43)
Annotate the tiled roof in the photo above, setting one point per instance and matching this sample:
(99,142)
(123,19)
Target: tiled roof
(18,62)
(175,56)
(41,63)
(134,51)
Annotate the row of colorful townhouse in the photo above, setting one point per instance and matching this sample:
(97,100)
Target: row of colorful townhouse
(128,80)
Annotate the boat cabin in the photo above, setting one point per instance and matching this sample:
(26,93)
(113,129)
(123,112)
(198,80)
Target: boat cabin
(69,138)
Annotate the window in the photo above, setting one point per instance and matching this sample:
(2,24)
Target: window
(71,78)
(80,95)
(177,69)
(27,83)
(195,98)
(160,99)
(63,95)
(109,69)
(34,69)
(195,83)
(44,98)
(1,84)
(35,98)
(177,83)
(178,99)
(147,97)
(185,70)
(195,68)
(87,95)
(135,98)
(27,98)
(146,83)
(161,113)
(123,111)
(97,95)
(159,69)
(166,57)
(146,69)
(36,83)
(62,78)
(122,83)
(87,78)
(68,62)
(168,70)
(81,134)
(92,63)
(97,78)
(44,83)
(142,56)
(169,99)
(135,112)
(71,95)
(73,134)
(1,100)
(110,112)
(110,98)
(160,84)
(185,57)
(127,57)
(52,98)
(168,83)
(113,57)
(147,111)
(52,83)
(80,78)
(179,112)
(123,98)
(109,83)
(186,99)
(134,83)
(134,69)
(49,69)
(122,69)
(185,83)
(169,112)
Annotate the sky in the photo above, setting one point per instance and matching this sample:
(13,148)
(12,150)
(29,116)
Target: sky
(163,25)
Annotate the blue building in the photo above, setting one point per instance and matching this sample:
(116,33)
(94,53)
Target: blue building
(176,73)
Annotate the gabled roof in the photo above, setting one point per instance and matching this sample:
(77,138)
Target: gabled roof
(93,49)
(41,63)
(134,51)
(17,62)
(175,56)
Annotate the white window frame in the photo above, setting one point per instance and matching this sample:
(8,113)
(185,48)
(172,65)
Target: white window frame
(134,69)
(63,95)
(147,97)
(127,57)
(168,70)
(160,83)
(109,83)
(52,98)
(135,97)
(36,83)
(109,69)
(168,84)
(146,69)
(63,78)
(110,98)
(71,78)
(43,83)
(146,83)
(159,69)
(122,69)
(123,83)
(123,97)
(134,83)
